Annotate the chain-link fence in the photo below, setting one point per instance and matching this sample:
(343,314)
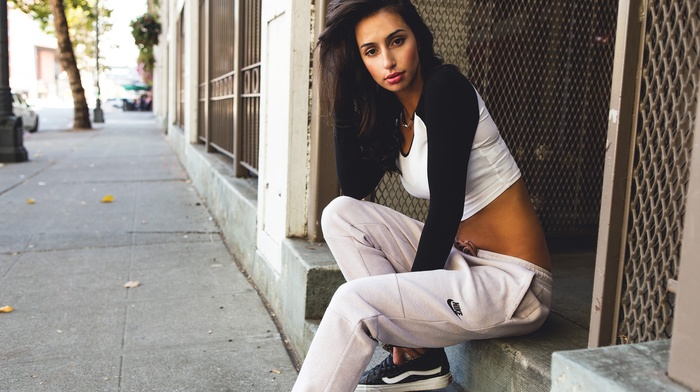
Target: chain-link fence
(664,136)
(543,68)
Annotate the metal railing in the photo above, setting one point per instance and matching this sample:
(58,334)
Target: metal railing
(249,113)
(229,80)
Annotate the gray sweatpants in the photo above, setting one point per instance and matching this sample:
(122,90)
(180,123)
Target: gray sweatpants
(482,297)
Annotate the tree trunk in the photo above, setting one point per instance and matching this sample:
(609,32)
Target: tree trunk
(81,114)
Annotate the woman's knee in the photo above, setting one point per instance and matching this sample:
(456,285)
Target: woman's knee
(348,299)
(337,211)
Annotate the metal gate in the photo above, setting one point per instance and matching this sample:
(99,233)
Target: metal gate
(229,80)
(543,68)
(659,176)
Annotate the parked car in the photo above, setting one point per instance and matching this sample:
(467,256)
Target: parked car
(20,108)
(120,103)
(113,103)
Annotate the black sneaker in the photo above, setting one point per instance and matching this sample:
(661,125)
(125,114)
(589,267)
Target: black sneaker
(428,372)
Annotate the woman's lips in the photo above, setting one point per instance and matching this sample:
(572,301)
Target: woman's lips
(394,78)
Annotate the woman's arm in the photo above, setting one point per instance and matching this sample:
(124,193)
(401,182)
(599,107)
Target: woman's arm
(450,110)
(358,176)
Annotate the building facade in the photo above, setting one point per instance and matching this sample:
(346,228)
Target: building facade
(597,103)
(34,68)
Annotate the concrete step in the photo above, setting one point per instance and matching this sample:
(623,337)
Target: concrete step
(514,364)
(637,367)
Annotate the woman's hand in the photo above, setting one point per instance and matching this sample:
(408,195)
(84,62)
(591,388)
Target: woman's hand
(404,354)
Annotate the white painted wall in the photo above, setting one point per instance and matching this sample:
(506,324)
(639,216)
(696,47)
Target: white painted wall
(175,7)
(161,75)
(299,141)
(191,64)
(284,142)
(284,118)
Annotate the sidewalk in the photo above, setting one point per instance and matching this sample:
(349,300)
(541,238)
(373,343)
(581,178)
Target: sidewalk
(194,322)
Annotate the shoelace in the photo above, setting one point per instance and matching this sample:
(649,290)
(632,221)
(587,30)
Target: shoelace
(386,364)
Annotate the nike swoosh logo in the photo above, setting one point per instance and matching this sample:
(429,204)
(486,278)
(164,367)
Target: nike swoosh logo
(403,376)
(455,308)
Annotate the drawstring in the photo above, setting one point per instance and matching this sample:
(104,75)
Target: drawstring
(467,247)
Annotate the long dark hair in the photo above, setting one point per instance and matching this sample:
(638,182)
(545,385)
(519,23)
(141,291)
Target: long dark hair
(345,81)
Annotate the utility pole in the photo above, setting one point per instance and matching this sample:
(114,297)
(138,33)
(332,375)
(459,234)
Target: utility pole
(11,136)
(98,115)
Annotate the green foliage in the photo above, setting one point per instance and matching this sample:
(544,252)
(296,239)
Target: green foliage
(40,10)
(81,17)
(146,31)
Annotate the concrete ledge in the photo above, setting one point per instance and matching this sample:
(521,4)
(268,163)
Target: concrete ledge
(312,276)
(232,201)
(514,364)
(625,368)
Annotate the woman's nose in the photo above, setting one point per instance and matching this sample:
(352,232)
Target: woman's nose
(389,61)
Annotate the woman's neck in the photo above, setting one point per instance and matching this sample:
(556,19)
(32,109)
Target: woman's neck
(410,97)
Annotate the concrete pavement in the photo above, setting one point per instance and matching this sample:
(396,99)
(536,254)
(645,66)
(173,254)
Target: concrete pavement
(194,322)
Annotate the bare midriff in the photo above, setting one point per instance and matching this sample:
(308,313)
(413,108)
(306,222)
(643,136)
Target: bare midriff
(509,226)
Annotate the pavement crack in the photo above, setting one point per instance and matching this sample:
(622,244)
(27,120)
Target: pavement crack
(26,179)
(174,232)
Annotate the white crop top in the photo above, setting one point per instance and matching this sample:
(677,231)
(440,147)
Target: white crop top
(490,172)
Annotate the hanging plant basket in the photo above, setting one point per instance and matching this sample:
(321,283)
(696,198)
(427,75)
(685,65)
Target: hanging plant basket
(146,29)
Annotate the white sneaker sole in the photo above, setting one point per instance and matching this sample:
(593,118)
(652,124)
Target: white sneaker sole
(421,385)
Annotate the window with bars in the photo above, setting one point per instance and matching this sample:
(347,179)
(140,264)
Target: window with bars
(229,81)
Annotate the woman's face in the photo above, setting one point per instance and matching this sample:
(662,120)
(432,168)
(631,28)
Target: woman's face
(389,50)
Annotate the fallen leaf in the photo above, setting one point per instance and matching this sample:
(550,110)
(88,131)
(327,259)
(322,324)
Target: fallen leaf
(6,309)
(131,284)
(31,201)
(107,199)
(276,371)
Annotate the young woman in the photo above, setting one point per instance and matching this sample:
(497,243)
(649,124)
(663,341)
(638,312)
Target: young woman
(477,268)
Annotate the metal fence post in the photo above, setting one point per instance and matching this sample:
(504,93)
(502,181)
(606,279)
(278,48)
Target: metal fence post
(621,124)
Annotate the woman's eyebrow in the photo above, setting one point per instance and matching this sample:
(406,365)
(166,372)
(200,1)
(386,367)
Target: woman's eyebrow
(397,31)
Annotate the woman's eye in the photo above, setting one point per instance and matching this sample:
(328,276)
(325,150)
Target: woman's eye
(399,41)
(370,52)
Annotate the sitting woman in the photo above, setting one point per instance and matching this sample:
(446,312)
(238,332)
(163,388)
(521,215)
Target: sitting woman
(478,267)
